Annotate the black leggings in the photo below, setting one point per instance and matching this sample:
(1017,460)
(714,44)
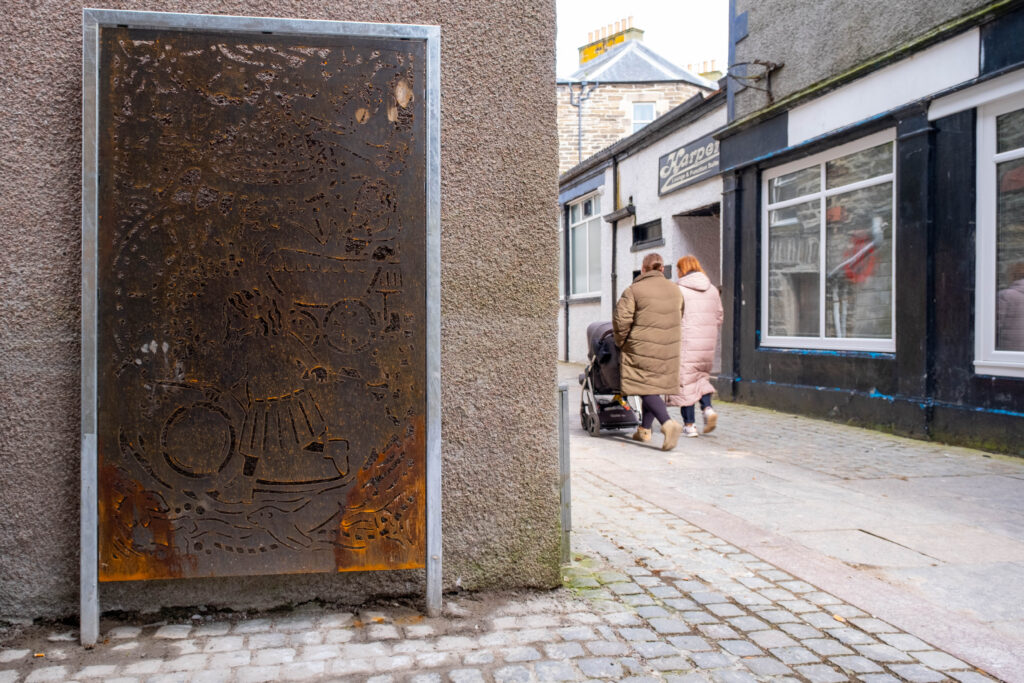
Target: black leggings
(654,407)
(687,411)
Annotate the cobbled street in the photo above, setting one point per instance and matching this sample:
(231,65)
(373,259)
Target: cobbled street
(652,595)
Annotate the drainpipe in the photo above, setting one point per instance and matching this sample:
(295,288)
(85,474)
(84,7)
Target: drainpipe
(614,217)
(567,283)
(586,90)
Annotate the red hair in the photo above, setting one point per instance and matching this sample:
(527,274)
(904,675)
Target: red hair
(687,265)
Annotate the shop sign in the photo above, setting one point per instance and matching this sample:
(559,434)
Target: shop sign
(689,164)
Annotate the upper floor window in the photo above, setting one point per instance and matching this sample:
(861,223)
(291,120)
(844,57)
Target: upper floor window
(827,249)
(647,233)
(643,113)
(585,246)
(999,320)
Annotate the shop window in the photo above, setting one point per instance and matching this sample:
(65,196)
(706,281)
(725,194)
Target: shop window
(643,113)
(647,233)
(999,333)
(827,249)
(585,246)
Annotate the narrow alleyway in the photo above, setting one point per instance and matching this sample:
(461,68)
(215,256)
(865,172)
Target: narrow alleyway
(734,558)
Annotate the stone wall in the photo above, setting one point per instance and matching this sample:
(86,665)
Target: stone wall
(608,115)
(817,40)
(499,307)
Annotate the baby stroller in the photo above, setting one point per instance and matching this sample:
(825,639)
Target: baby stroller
(602,405)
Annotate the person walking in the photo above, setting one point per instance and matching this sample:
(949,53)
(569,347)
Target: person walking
(646,327)
(698,337)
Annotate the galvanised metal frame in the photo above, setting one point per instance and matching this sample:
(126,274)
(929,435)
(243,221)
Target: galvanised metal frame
(92,21)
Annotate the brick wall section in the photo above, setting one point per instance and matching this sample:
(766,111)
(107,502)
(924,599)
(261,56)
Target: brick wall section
(608,115)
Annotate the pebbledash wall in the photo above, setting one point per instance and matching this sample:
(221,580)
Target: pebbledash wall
(873,217)
(499,270)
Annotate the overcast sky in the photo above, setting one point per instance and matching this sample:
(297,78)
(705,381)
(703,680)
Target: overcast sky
(682,31)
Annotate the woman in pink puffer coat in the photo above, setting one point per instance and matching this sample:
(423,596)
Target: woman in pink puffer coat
(702,319)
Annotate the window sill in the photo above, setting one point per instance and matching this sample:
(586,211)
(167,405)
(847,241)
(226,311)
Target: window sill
(999,368)
(583,299)
(649,244)
(829,346)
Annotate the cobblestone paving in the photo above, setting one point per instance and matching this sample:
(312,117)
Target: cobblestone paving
(650,597)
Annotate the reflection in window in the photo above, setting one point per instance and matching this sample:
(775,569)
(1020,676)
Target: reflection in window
(828,272)
(643,113)
(1010,250)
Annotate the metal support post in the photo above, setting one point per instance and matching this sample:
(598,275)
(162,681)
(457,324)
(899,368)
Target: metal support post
(564,479)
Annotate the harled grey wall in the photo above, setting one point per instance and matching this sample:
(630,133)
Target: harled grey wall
(499,306)
(816,40)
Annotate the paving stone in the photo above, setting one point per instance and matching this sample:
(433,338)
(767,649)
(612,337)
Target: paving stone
(851,636)
(777,594)
(426,678)
(258,674)
(855,664)
(740,648)
(748,623)
(681,604)
(346,666)
(385,678)
(224,644)
(578,633)
(884,678)
(173,631)
(820,673)
(512,674)
(969,677)
(777,616)
(631,665)
(621,619)
(366,650)
(766,666)
(821,620)
(770,639)
(795,655)
(611,577)
(273,655)
(690,643)
(708,597)
(640,679)
(717,631)
(263,640)
(883,653)
(212,675)
(797,606)
(230,660)
(710,660)
(801,631)
(915,673)
(826,646)
(937,660)
(478,658)
(674,663)
(433,660)
(796,586)
(521,654)
(664,592)
(302,638)
(846,611)
(9,676)
(382,632)
(754,582)
(466,676)
(564,650)
(669,626)
(583,618)
(822,598)
(218,628)
(727,676)
(652,611)
(392,663)
(47,674)
(97,671)
(554,671)
(116,633)
(600,667)
(688,678)
(295,623)
(873,625)
(725,609)
(532,635)
(654,650)
(699,618)
(301,671)
(252,626)
(776,575)
(607,648)
(629,588)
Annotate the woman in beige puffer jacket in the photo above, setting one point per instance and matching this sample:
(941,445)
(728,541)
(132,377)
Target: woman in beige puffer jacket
(702,320)
(646,326)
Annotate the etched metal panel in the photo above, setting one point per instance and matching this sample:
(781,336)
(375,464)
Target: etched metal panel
(261,335)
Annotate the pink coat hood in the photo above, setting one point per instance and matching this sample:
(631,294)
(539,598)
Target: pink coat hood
(702,319)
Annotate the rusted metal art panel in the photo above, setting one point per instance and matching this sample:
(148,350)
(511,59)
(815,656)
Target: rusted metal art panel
(261,335)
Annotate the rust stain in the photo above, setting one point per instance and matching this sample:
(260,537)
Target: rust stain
(136,533)
(386,508)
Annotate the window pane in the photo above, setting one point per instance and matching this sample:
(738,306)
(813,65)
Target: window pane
(1010,256)
(643,111)
(594,239)
(574,214)
(862,165)
(588,208)
(1010,131)
(579,259)
(793,285)
(796,184)
(858,264)
(597,204)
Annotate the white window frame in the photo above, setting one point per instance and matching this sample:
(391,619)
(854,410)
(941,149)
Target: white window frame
(570,225)
(654,115)
(988,360)
(821,341)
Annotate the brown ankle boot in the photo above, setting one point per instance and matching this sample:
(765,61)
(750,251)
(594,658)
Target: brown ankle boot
(642,434)
(671,430)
